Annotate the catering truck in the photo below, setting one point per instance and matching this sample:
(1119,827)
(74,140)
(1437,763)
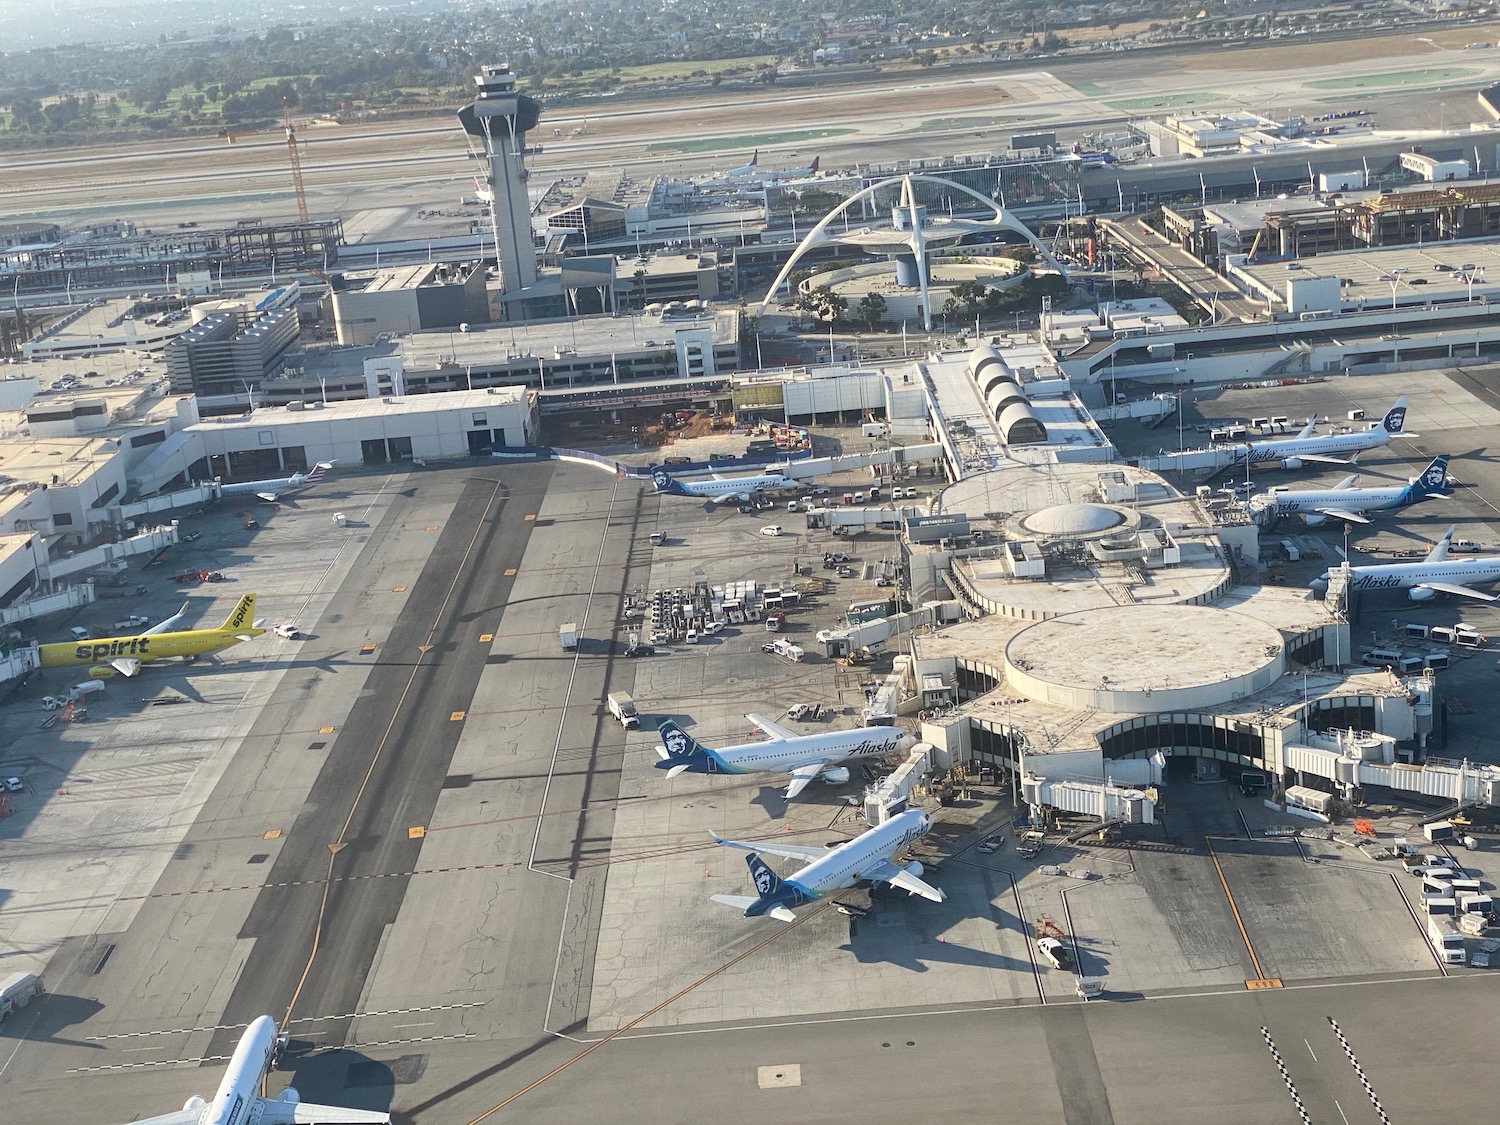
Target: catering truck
(622,707)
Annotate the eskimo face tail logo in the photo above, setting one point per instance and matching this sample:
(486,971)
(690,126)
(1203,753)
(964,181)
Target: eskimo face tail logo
(661,479)
(1435,476)
(676,743)
(763,880)
(1395,421)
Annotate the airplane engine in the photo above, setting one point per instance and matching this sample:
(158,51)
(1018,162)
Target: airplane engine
(1421,594)
(289,1095)
(1314,519)
(193,1104)
(839,775)
(1292,463)
(915,868)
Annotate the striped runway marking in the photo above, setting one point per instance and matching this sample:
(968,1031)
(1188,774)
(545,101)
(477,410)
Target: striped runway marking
(1291,1087)
(1359,1071)
(295,1023)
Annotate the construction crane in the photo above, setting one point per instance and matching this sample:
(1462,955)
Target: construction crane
(296,158)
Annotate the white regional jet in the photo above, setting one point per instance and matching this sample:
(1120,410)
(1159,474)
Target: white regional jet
(1325,449)
(804,756)
(238,1100)
(1434,575)
(269,490)
(1348,502)
(866,857)
(720,488)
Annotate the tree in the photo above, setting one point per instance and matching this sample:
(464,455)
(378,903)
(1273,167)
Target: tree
(823,303)
(969,296)
(871,310)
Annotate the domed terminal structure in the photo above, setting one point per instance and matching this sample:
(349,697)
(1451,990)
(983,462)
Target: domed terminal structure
(912,236)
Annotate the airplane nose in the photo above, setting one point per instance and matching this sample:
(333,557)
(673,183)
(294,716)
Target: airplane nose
(906,742)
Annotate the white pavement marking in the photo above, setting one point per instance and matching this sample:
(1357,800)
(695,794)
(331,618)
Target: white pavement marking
(1359,1072)
(778,1077)
(1291,1087)
(296,1022)
(588,604)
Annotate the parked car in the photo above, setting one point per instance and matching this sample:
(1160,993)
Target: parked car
(992,845)
(288,632)
(771,530)
(800,711)
(14,785)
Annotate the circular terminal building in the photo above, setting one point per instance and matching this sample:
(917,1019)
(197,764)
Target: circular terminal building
(1085,627)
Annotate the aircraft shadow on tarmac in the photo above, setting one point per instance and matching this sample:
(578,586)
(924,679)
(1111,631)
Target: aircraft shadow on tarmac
(877,938)
(346,1077)
(45,1016)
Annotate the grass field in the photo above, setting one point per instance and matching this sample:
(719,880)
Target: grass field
(945,124)
(756,140)
(1169,101)
(1429,77)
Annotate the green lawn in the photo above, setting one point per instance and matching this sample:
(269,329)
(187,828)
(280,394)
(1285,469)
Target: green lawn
(1168,101)
(1429,77)
(943,124)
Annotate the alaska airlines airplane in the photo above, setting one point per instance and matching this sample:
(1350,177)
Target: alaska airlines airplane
(1347,502)
(866,857)
(1324,449)
(238,1100)
(739,488)
(269,490)
(804,756)
(1434,575)
(126,654)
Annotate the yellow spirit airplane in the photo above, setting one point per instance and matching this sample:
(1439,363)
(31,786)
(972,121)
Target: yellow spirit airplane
(126,654)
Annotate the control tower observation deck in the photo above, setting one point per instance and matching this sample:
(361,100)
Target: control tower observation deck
(499,120)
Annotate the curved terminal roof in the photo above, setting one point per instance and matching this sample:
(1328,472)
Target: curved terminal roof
(1137,658)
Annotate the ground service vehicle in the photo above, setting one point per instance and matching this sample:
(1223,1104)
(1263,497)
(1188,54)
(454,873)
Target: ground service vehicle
(622,707)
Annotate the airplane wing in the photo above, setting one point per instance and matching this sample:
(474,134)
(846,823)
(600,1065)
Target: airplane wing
(177,1117)
(1341,514)
(888,872)
(774,729)
(271,1111)
(268,496)
(1457,590)
(786,851)
(166,623)
(125,665)
(1324,459)
(802,777)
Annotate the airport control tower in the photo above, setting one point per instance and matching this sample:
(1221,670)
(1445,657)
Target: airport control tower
(499,120)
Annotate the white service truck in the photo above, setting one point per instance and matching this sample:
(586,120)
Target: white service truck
(622,707)
(16,991)
(568,636)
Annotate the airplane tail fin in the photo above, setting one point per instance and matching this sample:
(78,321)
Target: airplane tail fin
(813,167)
(754,157)
(243,618)
(1433,481)
(664,481)
(1439,550)
(1395,418)
(680,751)
(1308,430)
(774,897)
(318,472)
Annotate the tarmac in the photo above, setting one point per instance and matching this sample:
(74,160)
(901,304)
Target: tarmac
(450,872)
